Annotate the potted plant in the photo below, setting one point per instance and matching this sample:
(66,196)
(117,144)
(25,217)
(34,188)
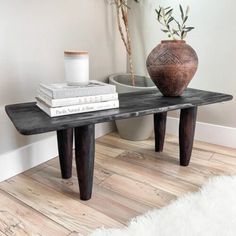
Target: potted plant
(135,128)
(173,63)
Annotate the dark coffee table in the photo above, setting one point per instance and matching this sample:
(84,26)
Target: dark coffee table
(29,119)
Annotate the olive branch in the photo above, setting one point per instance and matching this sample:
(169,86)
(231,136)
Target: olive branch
(165,18)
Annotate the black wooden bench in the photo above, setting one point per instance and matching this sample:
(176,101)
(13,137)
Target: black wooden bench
(29,119)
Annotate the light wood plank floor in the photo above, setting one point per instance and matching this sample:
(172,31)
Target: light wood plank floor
(130,179)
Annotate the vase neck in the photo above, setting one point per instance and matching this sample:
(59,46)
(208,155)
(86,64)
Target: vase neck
(173,41)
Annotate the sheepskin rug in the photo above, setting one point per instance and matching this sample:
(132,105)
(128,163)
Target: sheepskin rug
(209,212)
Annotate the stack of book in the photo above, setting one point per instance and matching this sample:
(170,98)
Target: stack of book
(61,99)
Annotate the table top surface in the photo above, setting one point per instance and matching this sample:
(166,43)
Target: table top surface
(29,119)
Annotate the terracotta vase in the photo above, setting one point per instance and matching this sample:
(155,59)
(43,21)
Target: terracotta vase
(172,65)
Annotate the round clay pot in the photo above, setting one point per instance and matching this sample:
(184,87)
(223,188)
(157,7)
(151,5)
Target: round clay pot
(172,65)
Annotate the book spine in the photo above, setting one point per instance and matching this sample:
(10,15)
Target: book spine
(61,111)
(77,100)
(108,89)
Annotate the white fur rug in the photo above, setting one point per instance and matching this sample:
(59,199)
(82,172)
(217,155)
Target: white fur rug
(209,212)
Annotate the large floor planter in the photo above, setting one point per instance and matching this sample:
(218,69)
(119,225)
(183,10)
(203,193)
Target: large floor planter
(134,128)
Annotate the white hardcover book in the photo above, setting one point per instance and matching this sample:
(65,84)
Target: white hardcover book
(62,90)
(76,100)
(69,110)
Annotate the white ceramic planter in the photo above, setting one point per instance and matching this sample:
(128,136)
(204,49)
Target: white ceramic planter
(139,128)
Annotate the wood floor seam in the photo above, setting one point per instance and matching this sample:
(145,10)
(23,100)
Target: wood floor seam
(17,200)
(67,195)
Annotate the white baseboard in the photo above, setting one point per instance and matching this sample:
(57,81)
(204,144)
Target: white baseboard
(215,134)
(22,159)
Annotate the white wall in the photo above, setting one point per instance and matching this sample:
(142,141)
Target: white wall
(33,37)
(214,40)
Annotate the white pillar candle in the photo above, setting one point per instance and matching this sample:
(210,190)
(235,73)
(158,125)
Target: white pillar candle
(76,68)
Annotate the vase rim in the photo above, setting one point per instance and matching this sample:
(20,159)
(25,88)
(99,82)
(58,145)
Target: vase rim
(75,53)
(173,41)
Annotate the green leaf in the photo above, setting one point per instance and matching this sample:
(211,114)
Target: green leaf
(170,20)
(188,29)
(183,34)
(158,14)
(169,12)
(185,19)
(182,12)
(187,11)
(165,31)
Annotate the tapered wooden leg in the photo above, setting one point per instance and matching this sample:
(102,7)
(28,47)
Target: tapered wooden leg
(159,130)
(65,143)
(186,134)
(84,154)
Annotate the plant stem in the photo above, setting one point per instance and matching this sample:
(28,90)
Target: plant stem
(165,21)
(129,51)
(121,9)
(117,2)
